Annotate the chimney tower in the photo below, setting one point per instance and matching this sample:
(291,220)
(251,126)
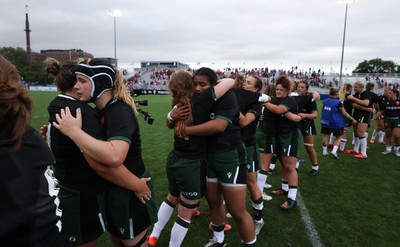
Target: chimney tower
(28,37)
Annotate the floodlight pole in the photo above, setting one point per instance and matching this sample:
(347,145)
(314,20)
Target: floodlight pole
(344,39)
(115,14)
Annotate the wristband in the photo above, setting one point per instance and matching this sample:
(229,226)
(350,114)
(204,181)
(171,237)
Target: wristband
(169,117)
(263,98)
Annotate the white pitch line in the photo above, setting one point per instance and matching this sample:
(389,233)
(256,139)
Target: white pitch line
(310,228)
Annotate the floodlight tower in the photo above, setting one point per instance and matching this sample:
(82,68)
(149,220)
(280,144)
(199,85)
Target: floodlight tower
(344,36)
(115,13)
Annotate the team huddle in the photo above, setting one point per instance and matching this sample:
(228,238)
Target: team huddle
(228,135)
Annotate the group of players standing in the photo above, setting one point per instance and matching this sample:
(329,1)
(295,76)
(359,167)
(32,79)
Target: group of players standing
(238,127)
(358,110)
(224,143)
(268,130)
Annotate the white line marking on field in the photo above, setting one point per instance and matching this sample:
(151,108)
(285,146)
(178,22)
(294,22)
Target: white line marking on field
(310,228)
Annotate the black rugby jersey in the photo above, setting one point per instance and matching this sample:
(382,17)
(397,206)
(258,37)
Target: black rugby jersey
(362,96)
(71,167)
(120,123)
(391,109)
(194,147)
(284,125)
(29,214)
(248,102)
(226,108)
(306,104)
(347,104)
(269,121)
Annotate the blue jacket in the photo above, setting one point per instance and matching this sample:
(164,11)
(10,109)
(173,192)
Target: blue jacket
(332,118)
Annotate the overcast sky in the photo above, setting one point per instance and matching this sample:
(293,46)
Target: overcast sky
(268,33)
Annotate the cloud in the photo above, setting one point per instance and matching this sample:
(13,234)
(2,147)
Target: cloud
(272,33)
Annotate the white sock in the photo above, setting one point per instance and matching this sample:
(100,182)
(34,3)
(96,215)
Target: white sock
(331,139)
(297,164)
(366,136)
(220,236)
(363,146)
(315,167)
(357,144)
(389,148)
(272,166)
(324,149)
(178,232)
(251,242)
(381,135)
(292,193)
(164,214)
(342,144)
(285,185)
(261,180)
(257,206)
(335,148)
(374,133)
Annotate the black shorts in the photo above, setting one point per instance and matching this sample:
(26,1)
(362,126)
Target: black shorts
(253,158)
(362,118)
(126,215)
(186,176)
(308,128)
(228,167)
(335,132)
(392,123)
(82,217)
(287,144)
(265,142)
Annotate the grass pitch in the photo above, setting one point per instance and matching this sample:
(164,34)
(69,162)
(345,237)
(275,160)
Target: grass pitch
(350,203)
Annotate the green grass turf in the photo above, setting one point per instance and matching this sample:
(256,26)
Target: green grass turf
(351,202)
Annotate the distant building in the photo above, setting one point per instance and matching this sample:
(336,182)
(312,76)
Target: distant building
(175,65)
(61,55)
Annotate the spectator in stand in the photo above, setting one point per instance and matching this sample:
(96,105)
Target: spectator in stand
(29,210)
(390,108)
(332,121)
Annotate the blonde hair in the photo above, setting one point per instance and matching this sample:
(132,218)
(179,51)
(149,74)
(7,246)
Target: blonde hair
(181,87)
(121,92)
(15,105)
(360,84)
(344,89)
